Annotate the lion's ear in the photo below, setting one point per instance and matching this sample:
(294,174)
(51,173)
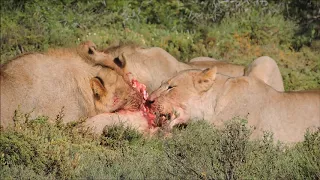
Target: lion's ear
(87,47)
(120,61)
(97,86)
(118,64)
(204,80)
(91,50)
(209,73)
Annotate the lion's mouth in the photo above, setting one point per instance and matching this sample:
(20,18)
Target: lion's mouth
(144,108)
(161,118)
(138,103)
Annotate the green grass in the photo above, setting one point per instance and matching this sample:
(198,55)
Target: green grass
(36,149)
(261,30)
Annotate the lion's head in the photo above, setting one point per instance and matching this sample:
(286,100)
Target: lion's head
(176,97)
(111,93)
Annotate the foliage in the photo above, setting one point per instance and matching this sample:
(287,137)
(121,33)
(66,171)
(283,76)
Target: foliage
(37,149)
(195,28)
(119,136)
(307,14)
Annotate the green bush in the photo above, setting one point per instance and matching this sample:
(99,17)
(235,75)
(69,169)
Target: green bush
(307,14)
(118,136)
(40,150)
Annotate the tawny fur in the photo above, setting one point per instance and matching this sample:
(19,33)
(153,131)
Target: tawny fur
(266,69)
(133,119)
(229,69)
(113,93)
(152,66)
(44,83)
(196,95)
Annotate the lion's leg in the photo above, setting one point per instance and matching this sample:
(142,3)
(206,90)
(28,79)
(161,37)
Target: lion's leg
(182,119)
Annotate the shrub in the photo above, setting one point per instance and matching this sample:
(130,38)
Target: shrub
(38,149)
(307,14)
(118,136)
(192,155)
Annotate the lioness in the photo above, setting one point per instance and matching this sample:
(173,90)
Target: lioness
(154,65)
(44,83)
(205,94)
(112,94)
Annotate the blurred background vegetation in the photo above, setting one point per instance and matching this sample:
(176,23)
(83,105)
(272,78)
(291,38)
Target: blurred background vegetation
(233,31)
(36,149)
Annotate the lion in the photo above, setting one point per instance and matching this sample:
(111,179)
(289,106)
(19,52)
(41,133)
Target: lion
(205,94)
(52,82)
(103,102)
(154,65)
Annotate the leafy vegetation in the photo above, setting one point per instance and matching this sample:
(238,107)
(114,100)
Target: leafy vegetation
(233,31)
(37,149)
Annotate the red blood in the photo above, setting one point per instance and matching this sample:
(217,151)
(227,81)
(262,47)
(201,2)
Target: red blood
(146,112)
(148,115)
(141,88)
